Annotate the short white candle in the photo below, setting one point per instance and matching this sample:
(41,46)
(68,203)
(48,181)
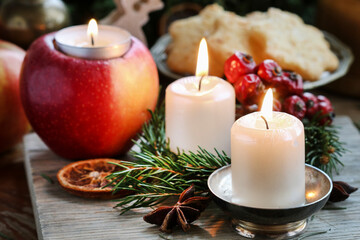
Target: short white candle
(202,117)
(268,165)
(199,118)
(93,42)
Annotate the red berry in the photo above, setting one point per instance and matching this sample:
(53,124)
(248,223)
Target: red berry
(270,72)
(256,69)
(238,65)
(248,89)
(311,103)
(291,83)
(295,106)
(322,98)
(243,109)
(326,110)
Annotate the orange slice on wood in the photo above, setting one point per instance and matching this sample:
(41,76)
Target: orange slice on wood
(87,178)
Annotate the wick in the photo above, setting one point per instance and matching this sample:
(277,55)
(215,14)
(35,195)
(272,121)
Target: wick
(267,125)
(92,39)
(201,78)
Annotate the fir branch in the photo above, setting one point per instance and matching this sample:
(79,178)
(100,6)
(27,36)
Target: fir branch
(323,147)
(158,173)
(154,178)
(47,178)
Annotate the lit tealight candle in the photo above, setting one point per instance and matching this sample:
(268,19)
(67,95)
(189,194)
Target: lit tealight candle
(268,159)
(200,110)
(92,41)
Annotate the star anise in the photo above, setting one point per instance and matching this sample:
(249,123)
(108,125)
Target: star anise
(184,212)
(341,191)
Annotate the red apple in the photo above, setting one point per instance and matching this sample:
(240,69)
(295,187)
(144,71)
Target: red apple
(85,108)
(13,123)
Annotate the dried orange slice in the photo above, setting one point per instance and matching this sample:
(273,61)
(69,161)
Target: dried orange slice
(87,178)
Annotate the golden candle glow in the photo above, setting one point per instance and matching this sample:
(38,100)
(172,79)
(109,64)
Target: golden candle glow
(310,195)
(266,108)
(202,66)
(92,29)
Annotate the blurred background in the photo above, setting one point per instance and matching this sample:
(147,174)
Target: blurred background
(22,21)
(79,12)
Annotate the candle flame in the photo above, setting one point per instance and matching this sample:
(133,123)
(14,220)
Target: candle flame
(92,29)
(202,66)
(266,108)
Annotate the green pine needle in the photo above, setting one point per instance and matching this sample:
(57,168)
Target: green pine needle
(47,178)
(322,142)
(158,173)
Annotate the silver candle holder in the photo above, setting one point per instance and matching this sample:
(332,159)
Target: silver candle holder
(113,42)
(261,223)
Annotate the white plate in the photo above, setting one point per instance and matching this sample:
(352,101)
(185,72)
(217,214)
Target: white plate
(342,51)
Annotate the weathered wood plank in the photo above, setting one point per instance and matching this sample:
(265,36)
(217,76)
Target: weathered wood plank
(16,217)
(60,215)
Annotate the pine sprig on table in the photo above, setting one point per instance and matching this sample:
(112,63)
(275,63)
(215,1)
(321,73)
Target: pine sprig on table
(159,173)
(154,178)
(323,147)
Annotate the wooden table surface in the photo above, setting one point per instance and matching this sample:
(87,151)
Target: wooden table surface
(16,216)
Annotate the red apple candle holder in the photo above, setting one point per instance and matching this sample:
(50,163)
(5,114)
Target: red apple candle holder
(86,108)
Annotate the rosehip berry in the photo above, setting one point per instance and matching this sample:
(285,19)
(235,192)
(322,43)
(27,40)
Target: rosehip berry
(243,109)
(326,110)
(311,103)
(291,83)
(256,69)
(295,106)
(238,65)
(270,72)
(248,89)
(322,98)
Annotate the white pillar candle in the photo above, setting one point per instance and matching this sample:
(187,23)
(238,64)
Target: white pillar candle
(92,41)
(268,165)
(199,118)
(199,111)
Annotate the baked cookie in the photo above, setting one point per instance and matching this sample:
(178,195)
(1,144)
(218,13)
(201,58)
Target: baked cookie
(186,35)
(283,37)
(230,35)
(275,34)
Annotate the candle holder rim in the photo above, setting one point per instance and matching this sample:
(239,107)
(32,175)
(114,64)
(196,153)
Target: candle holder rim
(111,46)
(118,49)
(96,53)
(273,209)
(125,41)
(251,222)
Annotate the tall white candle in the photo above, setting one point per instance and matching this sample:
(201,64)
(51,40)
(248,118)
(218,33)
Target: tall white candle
(268,165)
(200,115)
